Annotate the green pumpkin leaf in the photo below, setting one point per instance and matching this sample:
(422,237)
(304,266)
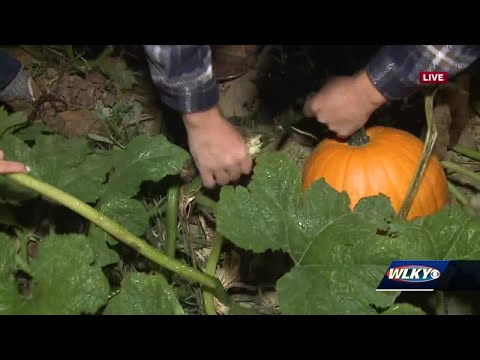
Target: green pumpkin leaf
(340,255)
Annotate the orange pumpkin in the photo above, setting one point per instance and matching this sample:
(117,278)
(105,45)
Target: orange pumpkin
(382,162)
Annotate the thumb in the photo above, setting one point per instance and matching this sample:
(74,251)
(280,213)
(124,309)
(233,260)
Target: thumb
(8,167)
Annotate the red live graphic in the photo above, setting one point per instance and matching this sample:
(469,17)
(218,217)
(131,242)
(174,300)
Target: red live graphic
(433,77)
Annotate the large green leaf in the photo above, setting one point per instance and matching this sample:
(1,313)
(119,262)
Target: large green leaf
(376,209)
(454,232)
(100,242)
(145,159)
(86,181)
(7,255)
(128,213)
(340,255)
(143,294)
(65,278)
(30,133)
(10,299)
(256,219)
(54,155)
(333,289)
(8,122)
(403,309)
(60,162)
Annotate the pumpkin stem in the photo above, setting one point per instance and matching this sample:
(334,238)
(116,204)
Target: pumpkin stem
(359,138)
(422,165)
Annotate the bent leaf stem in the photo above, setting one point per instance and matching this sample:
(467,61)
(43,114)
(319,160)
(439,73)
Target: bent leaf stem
(422,165)
(122,234)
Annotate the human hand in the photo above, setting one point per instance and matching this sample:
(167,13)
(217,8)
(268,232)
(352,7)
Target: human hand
(345,103)
(8,167)
(218,149)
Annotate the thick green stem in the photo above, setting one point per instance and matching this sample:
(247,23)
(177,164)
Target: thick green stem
(422,165)
(193,189)
(359,138)
(211,268)
(457,194)
(122,234)
(461,170)
(468,152)
(206,202)
(172,220)
(193,186)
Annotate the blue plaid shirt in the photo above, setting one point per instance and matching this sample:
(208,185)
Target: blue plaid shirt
(394,70)
(184,77)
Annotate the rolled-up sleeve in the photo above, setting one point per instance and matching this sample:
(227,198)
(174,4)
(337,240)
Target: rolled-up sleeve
(395,69)
(183,75)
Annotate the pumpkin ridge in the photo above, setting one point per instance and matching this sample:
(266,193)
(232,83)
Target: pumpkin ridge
(330,172)
(327,161)
(429,178)
(385,157)
(323,167)
(359,165)
(351,153)
(368,177)
(394,189)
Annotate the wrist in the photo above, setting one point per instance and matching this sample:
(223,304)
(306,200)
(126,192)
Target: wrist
(200,118)
(371,96)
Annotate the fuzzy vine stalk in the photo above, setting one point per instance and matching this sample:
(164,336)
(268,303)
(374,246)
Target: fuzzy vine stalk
(210,270)
(172,220)
(122,234)
(430,139)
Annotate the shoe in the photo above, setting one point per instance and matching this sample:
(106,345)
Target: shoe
(21,92)
(230,62)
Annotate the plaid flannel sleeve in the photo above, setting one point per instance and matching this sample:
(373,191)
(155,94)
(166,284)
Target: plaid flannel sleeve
(183,75)
(394,70)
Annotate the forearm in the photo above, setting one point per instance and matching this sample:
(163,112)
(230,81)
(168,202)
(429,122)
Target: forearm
(394,70)
(183,74)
